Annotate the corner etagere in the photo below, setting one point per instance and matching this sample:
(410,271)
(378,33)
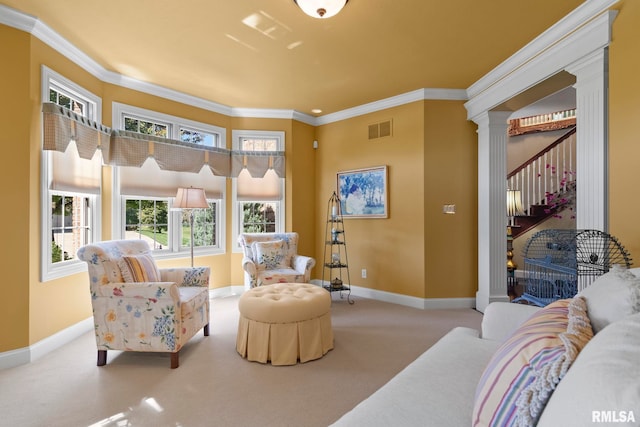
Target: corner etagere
(335,252)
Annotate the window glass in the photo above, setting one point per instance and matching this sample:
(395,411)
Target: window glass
(146,127)
(204,227)
(148,220)
(198,137)
(75,105)
(70,226)
(146,193)
(70,186)
(259,217)
(258,202)
(259,144)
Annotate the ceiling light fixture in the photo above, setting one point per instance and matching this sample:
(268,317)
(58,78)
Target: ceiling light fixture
(321,9)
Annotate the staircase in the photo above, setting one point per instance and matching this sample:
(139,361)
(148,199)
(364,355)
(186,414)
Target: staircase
(546,182)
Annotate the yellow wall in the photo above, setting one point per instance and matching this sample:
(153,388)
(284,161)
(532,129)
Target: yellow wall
(15,115)
(390,249)
(451,177)
(417,251)
(60,303)
(624,137)
(303,215)
(39,310)
(431,160)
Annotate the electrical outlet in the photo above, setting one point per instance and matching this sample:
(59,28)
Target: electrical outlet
(364,273)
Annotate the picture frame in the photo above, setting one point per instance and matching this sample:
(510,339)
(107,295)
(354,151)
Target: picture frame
(363,192)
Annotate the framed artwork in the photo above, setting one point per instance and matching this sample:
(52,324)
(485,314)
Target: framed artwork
(363,193)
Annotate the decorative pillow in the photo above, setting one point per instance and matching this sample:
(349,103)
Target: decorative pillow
(524,371)
(602,383)
(270,255)
(139,268)
(612,296)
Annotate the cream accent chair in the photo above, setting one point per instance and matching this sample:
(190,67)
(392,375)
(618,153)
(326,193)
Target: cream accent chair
(273,258)
(138,307)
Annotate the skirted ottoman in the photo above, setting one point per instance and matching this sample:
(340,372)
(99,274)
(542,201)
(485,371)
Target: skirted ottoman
(284,323)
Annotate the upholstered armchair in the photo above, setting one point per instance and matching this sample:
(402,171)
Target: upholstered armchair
(139,307)
(273,258)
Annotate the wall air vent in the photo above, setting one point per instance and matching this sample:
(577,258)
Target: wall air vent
(380,130)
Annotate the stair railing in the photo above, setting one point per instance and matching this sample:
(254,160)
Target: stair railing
(545,172)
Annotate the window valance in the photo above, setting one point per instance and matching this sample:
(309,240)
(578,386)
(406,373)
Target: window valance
(61,126)
(124,148)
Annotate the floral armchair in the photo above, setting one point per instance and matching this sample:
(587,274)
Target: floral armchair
(273,258)
(139,307)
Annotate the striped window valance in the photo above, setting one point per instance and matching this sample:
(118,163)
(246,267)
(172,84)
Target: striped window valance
(124,148)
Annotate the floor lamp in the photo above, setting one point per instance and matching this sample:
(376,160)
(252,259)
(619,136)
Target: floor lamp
(191,199)
(514,208)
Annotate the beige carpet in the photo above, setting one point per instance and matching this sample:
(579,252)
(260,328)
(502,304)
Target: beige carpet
(214,386)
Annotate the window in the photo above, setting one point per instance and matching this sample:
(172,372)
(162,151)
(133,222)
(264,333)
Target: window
(258,202)
(149,220)
(144,195)
(205,231)
(134,119)
(259,217)
(199,137)
(134,124)
(70,186)
(70,225)
(58,96)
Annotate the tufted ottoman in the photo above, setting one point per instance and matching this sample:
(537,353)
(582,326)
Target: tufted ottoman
(284,323)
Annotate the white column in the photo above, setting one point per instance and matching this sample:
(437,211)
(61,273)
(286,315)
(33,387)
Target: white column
(592,140)
(492,202)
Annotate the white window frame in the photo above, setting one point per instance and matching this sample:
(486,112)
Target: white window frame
(48,270)
(174,123)
(175,247)
(236,136)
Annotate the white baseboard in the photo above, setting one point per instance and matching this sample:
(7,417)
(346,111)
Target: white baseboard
(409,301)
(21,356)
(13,358)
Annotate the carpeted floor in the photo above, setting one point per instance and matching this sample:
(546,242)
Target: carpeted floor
(214,386)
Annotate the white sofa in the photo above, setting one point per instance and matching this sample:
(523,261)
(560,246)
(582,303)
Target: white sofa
(601,385)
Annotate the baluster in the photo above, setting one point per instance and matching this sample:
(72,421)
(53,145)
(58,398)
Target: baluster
(558,177)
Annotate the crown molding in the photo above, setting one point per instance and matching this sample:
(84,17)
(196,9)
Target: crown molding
(394,101)
(568,47)
(273,114)
(16,19)
(32,25)
(560,30)
(163,92)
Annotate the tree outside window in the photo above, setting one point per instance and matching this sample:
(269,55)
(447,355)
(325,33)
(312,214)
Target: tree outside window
(204,227)
(259,217)
(148,220)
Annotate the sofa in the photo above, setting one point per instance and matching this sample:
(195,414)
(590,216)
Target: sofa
(574,362)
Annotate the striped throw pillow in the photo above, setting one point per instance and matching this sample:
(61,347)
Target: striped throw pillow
(524,371)
(139,268)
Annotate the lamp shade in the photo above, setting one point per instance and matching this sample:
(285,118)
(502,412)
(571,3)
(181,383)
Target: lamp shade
(321,8)
(514,203)
(191,198)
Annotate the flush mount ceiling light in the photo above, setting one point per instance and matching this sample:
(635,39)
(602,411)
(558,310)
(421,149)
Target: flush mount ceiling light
(321,8)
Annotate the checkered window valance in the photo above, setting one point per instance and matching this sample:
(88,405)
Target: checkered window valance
(123,148)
